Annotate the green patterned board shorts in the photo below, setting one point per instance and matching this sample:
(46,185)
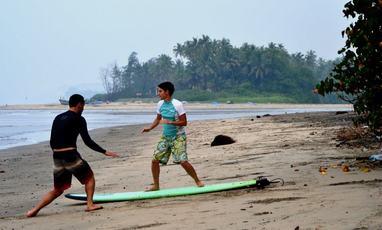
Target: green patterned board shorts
(175,146)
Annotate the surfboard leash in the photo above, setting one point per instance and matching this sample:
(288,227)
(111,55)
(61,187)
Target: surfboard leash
(262,181)
(278,180)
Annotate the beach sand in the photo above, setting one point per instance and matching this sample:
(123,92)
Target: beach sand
(291,147)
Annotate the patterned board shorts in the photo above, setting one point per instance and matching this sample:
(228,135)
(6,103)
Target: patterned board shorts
(70,163)
(175,146)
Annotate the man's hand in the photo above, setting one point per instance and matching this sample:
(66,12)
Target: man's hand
(111,154)
(145,130)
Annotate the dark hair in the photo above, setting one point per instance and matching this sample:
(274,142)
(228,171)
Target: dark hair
(167,86)
(75,99)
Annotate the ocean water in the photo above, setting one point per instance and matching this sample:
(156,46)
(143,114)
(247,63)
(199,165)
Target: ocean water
(25,127)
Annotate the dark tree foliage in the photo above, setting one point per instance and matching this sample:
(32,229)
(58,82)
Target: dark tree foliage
(206,69)
(357,78)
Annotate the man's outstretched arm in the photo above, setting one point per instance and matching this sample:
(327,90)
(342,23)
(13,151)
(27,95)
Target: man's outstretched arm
(91,144)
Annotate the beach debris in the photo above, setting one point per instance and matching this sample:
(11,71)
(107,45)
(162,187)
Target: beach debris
(359,163)
(356,136)
(258,116)
(341,112)
(376,157)
(345,168)
(222,140)
(267,115)
(323,170)
(262,213)
(2,171)
(332,165)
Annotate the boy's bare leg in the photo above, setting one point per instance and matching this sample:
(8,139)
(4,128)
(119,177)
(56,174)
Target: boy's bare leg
(155,170)
(46,199)
(89,189)
(191,171)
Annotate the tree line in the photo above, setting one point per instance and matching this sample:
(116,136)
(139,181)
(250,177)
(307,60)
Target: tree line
(209,69)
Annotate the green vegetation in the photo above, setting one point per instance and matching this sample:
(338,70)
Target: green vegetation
(198,95)
(214,70)
(358,77)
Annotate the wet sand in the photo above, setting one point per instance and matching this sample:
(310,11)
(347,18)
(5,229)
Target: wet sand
(292,147)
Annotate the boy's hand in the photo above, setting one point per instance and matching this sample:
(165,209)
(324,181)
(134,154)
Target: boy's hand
(165,121)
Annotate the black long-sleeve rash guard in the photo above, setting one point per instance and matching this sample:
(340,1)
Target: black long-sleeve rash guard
(65,129)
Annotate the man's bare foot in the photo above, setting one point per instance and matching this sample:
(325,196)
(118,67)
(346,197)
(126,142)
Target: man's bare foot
(31,213)
(152,188)
(93,208)
(200,184)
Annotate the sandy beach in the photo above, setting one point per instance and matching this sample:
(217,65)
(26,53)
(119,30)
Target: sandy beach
(292,147)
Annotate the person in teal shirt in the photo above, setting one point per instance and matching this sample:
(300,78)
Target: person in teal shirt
(173,142)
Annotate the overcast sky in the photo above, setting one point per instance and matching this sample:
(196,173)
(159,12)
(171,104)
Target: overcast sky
(49,46)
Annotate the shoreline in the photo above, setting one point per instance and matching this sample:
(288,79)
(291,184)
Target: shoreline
(104,117)
(291,146)
(191,105)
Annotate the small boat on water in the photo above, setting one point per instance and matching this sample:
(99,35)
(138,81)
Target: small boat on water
(66,102)
(63,102)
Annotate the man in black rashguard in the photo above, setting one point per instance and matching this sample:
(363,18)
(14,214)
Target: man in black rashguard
(67,161)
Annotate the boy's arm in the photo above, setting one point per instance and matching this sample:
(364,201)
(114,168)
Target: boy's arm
(182,121)
(154,124)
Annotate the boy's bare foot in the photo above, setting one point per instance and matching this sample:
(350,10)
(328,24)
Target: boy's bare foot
(152,188)
(93,208)
(200,184)
(31,213)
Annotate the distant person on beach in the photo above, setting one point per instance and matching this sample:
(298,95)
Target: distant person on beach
(67,161)
(171,114)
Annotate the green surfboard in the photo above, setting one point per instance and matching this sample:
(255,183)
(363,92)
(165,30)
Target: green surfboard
(171,192)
